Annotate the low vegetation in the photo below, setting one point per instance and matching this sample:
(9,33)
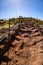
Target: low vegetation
(13,21)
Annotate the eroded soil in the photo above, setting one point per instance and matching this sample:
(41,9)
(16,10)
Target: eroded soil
(24,48)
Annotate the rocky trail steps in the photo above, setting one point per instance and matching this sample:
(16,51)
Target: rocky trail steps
(25,47)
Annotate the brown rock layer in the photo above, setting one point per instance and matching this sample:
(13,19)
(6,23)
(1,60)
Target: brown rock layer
(25,48)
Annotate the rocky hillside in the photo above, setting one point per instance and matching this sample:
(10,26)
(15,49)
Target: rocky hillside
(25,46)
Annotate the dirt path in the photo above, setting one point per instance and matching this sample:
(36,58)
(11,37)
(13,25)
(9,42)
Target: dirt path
(26,47)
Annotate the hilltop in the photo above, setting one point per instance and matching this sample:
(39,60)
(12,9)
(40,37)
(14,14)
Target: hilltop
(25,46)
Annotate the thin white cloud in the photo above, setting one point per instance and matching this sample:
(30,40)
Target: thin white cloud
(20,12)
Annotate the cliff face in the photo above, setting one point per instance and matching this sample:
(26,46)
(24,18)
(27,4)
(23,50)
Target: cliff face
(25,46)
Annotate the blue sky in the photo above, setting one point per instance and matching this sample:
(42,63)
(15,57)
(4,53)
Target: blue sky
(14,8)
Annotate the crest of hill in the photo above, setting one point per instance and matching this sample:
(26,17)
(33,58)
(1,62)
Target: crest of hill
(17,20)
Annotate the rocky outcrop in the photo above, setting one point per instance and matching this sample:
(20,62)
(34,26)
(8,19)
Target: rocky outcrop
(24,48)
